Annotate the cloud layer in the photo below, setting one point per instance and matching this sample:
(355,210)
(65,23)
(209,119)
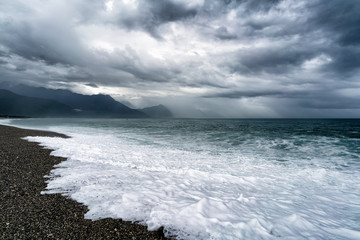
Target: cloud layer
(217,58)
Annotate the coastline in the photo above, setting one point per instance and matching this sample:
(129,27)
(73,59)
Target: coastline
(25,213)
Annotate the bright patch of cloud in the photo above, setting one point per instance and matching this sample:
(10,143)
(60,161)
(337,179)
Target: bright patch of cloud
(109,5)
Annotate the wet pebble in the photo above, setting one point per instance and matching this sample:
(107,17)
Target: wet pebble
(26,214)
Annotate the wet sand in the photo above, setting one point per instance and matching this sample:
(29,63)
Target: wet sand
(26,214)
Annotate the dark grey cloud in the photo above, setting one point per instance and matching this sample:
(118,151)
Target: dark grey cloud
(79,75)
(130,62)
(340,22)
(42,35)
(153,13)
(223,34)
(216,7)
(275,60)
(3,54)
(244,94)
(331,28)
(340,18)
(344,103)
(260,5)
(280,55)
(345,60)
(40,42)
(167,11)
(20,68)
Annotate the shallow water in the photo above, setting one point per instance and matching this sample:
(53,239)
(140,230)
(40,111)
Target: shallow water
(212,179)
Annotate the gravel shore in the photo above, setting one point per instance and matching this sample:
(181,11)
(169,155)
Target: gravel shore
(26,214)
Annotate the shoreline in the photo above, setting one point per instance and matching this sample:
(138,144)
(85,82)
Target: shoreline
(25,213)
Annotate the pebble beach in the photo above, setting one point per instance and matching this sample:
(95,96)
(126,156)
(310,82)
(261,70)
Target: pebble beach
(25,213)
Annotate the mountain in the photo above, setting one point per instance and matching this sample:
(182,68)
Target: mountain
(17,105)
(86,105)
(159,111)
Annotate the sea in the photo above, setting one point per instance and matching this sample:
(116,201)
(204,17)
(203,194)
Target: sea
(212,178)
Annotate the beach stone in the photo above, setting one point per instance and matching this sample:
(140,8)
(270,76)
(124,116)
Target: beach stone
(27,214)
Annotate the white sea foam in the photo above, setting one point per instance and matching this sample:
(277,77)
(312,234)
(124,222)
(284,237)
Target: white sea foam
(197,190)
(197,195)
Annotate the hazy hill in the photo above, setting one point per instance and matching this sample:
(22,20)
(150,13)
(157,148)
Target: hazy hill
(87,105)
(17,105)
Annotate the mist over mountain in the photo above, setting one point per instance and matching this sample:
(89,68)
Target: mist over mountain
(159,111)
(99,105)
(87,105)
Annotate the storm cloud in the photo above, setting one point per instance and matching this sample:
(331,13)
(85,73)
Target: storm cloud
(201,58)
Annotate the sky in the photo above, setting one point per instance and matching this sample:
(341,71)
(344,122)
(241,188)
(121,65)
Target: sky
(200,58)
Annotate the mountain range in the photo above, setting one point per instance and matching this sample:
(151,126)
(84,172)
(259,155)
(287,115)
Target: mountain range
(23,100)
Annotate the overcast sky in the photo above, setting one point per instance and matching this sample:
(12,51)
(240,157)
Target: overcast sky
(228,58)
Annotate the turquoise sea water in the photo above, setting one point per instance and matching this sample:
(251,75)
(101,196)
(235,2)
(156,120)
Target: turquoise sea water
(213,179)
